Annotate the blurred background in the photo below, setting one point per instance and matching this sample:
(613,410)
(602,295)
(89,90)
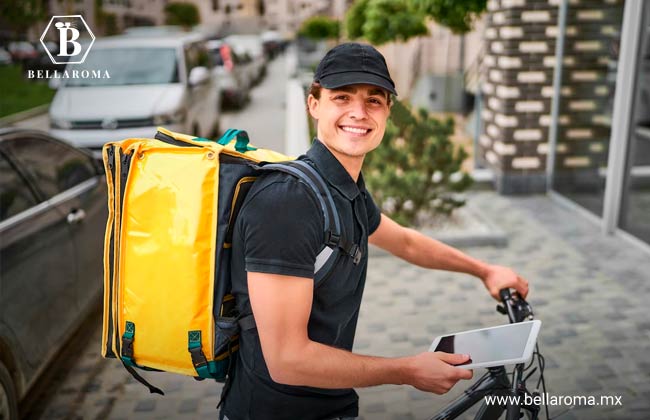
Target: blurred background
(538,112)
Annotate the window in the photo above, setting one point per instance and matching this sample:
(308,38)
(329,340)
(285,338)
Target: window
(130,66)
(15,195)
(54,167)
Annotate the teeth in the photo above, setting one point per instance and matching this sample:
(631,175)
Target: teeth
(355,130)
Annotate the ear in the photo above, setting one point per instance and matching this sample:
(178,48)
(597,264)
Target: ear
(312,105)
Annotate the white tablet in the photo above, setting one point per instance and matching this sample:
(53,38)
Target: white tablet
(495,346)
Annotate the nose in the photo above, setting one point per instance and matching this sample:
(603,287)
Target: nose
(358,110)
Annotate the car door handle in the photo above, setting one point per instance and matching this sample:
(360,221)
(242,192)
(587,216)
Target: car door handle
(76,216)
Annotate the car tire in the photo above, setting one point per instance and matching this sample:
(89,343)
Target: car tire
(8,397)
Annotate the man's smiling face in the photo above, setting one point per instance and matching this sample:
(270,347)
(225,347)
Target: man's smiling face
(351,119)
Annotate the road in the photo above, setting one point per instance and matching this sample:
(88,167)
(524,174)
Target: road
(263,117)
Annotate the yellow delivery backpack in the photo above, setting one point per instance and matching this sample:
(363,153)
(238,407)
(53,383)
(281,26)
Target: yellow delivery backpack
(172,204)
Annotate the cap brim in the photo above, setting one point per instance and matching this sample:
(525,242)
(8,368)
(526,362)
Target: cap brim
(337,80)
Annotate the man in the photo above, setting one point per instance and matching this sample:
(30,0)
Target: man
(297,363)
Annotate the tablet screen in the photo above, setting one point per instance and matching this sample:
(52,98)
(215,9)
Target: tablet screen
(501,343)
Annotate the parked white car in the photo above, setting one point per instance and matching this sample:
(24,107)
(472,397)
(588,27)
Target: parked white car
(163,81)
(252,46)
(235,73)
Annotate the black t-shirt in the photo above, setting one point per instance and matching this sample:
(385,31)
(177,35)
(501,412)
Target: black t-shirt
(279,230)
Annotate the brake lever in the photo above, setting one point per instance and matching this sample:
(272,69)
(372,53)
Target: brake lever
(514,303)
(524,310)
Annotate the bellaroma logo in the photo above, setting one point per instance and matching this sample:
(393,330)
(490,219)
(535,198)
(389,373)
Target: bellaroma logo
(67,29)
(71,49)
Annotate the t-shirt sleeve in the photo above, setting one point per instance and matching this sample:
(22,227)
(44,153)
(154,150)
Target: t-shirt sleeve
(282,229)
(374,214)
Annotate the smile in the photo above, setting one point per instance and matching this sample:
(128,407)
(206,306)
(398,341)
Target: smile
(355,130)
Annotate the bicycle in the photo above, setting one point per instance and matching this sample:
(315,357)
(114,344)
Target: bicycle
(496,381)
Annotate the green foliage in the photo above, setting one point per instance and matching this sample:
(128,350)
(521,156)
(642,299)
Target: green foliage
(457,15)
(416,169)
(388,20)
(381,21)
(182,14)
(320,27)
(20,94)
(354,19)
(20,15)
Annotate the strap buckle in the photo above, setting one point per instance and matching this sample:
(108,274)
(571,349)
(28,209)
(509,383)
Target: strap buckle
(198,358)
(356,254)
(127,347)
(332,239)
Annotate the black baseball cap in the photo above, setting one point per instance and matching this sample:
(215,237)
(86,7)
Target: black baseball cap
(353,63)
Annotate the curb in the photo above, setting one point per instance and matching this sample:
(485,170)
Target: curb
(23,115)
(488,235)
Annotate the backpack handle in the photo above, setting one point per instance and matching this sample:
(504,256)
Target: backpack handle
(241,144)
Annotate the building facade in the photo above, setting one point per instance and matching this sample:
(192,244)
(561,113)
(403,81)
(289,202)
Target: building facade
(227,16)
(565,105)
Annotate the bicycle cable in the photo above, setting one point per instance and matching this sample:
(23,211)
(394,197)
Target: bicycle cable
(542,364)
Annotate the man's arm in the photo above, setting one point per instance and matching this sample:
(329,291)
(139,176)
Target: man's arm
(418,249)
(281,306)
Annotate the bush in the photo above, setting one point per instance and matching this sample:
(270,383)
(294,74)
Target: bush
(320,27)
(416,169)
(182,14)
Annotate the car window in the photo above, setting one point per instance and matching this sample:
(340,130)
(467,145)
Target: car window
(15,195)
(55,167)
(217,59)
(129,66)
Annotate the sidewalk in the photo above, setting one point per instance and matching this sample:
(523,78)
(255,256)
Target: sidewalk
(590,292)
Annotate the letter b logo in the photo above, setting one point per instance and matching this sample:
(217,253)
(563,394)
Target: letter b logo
(65,30)
(71,35)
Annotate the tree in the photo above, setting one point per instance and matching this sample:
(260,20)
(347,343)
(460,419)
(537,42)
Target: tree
(381,21)
(458,16)
(416,169)
(355,18)
(183,14)
(20,15)
(388,20)
(320,27)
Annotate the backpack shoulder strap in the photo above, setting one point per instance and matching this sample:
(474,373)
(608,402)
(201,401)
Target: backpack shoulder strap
(333,239)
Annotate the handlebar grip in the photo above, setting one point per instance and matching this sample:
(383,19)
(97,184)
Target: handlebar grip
(505,295)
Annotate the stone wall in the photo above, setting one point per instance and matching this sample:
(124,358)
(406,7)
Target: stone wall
(518,70)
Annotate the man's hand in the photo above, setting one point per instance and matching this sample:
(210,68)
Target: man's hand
(499,277)
(435,372)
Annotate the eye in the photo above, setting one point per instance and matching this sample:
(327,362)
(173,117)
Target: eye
(375,101)
(341,97)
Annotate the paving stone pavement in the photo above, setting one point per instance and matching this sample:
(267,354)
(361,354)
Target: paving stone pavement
(589,290)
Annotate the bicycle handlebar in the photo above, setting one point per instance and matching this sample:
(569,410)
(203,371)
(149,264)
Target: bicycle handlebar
(514,306)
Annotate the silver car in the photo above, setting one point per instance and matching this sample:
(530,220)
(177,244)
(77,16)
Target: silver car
(53,214)
(154,81)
